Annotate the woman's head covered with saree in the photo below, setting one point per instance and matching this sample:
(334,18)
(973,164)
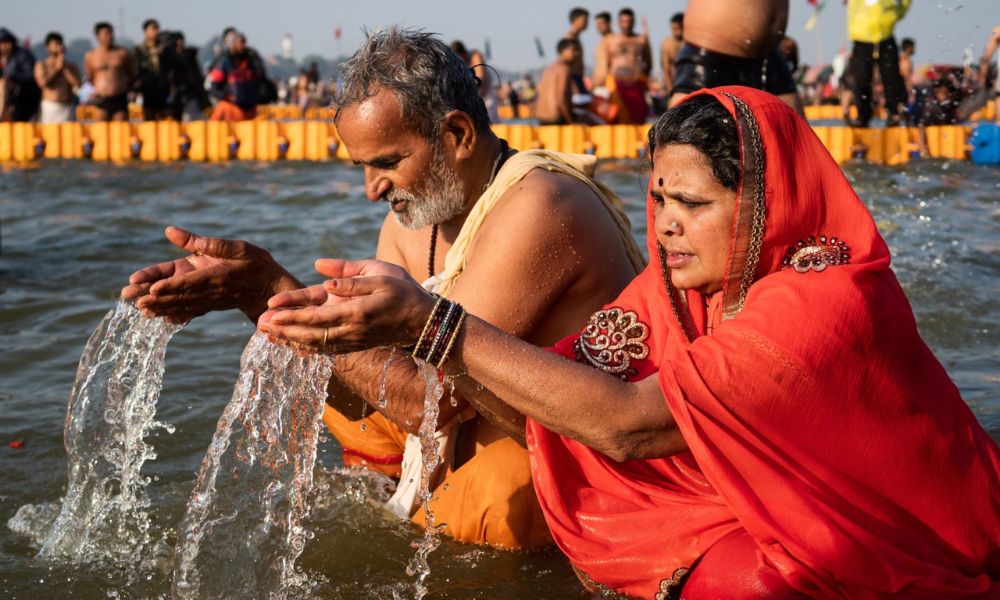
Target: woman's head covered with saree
(818,422)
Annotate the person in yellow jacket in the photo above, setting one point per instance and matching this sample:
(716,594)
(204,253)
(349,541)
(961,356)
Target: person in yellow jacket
(870,25)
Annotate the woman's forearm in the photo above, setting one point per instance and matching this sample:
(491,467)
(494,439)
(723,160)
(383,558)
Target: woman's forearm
(619,419)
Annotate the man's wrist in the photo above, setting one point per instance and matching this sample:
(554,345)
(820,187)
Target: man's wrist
(283,282)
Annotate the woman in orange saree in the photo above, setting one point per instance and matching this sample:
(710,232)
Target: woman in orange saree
(756,414)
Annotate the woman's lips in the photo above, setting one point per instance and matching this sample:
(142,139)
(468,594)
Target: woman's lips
(678,260)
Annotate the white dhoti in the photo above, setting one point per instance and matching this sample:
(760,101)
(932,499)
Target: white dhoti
(57,112)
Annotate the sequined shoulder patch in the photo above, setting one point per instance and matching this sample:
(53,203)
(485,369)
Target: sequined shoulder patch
(816,254)
(671,588)
(612,340)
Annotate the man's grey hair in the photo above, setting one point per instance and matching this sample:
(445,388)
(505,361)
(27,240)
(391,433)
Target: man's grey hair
(429,80)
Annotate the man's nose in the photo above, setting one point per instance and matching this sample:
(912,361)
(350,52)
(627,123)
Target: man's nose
(376,186)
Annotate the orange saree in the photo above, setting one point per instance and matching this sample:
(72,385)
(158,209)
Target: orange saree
(820,427)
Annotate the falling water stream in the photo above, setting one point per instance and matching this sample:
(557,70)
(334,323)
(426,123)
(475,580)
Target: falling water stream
(418,565)
(104,516)
(243,528)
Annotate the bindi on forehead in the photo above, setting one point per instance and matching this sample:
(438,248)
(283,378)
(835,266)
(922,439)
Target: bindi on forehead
(661,182)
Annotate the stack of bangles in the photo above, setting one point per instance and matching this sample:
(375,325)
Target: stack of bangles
(440,332)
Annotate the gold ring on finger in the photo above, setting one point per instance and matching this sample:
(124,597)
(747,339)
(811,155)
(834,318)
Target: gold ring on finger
(326,336)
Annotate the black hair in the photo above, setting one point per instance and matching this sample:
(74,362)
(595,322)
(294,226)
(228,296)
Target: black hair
(626,11)
(149,22)
(459,48)
(426,76)
(102,25)
(578,12)
(566,43)
(678,18)
(53,36)
(704,123)
(908,44)
(603,15)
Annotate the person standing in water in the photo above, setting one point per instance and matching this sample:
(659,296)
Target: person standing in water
(628,63)
(602,24)
(554,105)
(57,78)
(19,93)
(669,48)
(156,67)
(870,25)
(111,71)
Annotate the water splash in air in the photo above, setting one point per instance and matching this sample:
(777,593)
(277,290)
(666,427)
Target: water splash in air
(104,515)
(242,530)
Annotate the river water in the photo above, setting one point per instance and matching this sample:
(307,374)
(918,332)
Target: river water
(72,232)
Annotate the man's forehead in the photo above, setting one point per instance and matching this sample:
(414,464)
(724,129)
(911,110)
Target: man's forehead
(374,127)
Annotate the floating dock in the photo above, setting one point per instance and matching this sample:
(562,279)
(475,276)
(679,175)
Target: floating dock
(287,133)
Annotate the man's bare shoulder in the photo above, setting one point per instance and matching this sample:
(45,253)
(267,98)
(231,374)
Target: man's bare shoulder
(552,204)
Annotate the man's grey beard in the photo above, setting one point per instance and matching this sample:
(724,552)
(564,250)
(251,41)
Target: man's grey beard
(439,198)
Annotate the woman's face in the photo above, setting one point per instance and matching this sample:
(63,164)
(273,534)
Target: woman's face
(694,217)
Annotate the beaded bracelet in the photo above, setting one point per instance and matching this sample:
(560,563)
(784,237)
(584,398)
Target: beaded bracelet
(440,332)
(427,326)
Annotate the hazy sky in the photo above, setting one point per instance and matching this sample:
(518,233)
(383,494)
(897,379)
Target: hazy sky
(942,28)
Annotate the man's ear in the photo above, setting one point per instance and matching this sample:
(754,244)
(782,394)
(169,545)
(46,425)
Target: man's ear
(459,134)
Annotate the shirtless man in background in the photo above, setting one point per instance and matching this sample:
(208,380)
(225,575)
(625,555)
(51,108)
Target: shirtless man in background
(628,63)
(734,42)
(669,48)
(554,105)
(57,79)
(629,56)
(602,23)
(111,71)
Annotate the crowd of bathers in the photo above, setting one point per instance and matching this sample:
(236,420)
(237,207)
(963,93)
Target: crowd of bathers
(617,84)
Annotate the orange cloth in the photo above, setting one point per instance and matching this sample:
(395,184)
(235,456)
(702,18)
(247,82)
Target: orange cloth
(818,422)
(227,111)
(490,500)
(379,447)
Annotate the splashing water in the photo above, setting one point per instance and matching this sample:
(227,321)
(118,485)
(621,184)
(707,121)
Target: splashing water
(103,517)
(242,530)
(418,565)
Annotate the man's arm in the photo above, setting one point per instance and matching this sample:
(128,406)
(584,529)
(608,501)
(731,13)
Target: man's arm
(601,63)
(991,47)
(72,74)
(88,65)
(564,84)
(41,77)
(647,57)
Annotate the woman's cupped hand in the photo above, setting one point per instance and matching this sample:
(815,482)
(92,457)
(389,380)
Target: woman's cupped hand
(364,304)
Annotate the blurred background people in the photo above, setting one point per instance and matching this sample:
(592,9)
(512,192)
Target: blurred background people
(111,72)
(155,69)
(870,26)
(236,82)
(554,104)
(19,93)
(58,80)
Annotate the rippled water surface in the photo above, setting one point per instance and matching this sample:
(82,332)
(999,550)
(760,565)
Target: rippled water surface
(72,233)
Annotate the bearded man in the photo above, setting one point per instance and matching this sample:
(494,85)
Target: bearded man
(526,240)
